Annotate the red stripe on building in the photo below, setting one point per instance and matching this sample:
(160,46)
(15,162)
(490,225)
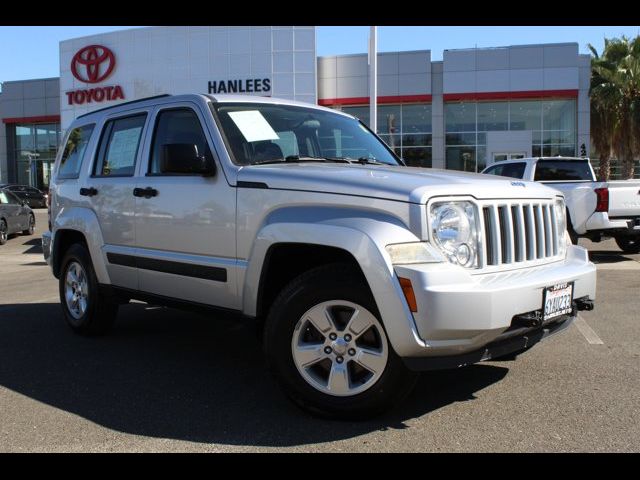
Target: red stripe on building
(452,97)
(382,99)
(39,119)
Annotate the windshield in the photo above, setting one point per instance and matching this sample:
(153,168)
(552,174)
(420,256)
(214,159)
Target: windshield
(265,133)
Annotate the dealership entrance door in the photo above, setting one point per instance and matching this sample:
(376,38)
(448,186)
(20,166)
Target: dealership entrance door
(507,145)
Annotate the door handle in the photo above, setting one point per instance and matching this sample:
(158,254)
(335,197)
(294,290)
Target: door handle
(145,192)
(88,192)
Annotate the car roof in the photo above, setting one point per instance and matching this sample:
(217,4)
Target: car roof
(222,98)
(536,159)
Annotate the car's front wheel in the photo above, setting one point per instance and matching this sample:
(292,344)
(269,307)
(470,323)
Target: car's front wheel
(328,349)
(85,309)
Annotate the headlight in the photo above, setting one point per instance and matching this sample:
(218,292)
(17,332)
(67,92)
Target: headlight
(414,252)
(454,232)
(561,225)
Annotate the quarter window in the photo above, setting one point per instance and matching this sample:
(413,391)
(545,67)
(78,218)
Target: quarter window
(119,147)
(71,160)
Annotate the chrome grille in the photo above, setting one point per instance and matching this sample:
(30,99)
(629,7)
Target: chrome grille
(519,232)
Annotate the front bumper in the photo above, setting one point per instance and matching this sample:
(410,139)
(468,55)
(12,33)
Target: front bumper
(460,313)
(508,342)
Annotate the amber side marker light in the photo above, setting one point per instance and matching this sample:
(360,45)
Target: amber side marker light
(407,289)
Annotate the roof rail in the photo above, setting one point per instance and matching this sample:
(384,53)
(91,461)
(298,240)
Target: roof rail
(124,103)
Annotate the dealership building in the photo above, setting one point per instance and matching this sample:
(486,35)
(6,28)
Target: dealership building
(472,108)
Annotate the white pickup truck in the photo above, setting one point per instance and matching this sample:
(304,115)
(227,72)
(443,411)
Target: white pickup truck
(596,210)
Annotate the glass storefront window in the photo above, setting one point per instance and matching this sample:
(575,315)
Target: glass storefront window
(416,118)
(417,157)
(409,140)
(35,152)
(461,138)
(461,158)
(388,119)
(552,123)
(559,115)
(493,116)
(525,115)
(25,138)
(460,117)
(405,128)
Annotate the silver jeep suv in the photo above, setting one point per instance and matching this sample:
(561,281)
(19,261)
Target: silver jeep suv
(359,270)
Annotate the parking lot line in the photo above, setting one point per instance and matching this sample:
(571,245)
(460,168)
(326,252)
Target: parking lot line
(587,332)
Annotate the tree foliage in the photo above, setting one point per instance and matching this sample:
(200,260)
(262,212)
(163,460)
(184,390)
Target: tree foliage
(615,103)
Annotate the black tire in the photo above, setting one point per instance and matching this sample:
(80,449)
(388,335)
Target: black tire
(101,311)
(572,233)
(32,225)
(330,282)
(4,235)
(628,244)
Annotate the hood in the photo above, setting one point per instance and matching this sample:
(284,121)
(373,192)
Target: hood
(405,184)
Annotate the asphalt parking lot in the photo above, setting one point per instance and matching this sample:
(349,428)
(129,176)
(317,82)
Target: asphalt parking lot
(166,380)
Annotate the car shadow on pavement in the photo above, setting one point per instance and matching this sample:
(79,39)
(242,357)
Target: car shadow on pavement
(179,375)
(35,246)
(607,256)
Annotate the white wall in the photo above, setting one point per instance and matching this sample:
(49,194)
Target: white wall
(156,60)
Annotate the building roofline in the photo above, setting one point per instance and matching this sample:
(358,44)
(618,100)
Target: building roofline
(30,80)
(526,45)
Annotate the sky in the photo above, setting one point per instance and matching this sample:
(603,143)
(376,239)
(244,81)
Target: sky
(32,52)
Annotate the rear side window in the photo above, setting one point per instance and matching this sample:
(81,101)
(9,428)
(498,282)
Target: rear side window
(71,160)
(513,170)
(563,170)
(119,147)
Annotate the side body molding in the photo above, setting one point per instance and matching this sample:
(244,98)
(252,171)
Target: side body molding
(363,234)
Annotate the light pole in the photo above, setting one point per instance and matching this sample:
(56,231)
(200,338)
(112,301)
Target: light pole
(373,78)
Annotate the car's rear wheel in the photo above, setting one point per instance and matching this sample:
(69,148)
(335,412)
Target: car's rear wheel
(32,226)
(629,244)
(85,309)
(4,232)
(328,349)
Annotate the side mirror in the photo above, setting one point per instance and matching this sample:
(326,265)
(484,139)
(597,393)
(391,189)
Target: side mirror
(184,158)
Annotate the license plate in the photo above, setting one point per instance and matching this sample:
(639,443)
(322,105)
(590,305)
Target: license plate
(557,300)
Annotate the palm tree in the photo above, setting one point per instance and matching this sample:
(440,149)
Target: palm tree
(615,103)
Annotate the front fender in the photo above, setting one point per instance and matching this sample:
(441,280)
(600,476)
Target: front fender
(85,221)
(364,235)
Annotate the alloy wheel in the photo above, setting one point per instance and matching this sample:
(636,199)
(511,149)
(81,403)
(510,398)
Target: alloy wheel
(76,290)
(339,348)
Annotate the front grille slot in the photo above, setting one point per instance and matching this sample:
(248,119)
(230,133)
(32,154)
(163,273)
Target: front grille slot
(519,231)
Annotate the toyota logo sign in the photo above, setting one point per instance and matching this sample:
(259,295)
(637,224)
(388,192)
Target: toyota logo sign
(93,64)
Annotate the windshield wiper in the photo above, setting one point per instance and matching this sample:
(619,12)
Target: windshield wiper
(298,158)
(369,161)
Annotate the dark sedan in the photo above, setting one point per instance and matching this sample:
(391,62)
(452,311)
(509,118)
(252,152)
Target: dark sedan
(35,198)
(15,216)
